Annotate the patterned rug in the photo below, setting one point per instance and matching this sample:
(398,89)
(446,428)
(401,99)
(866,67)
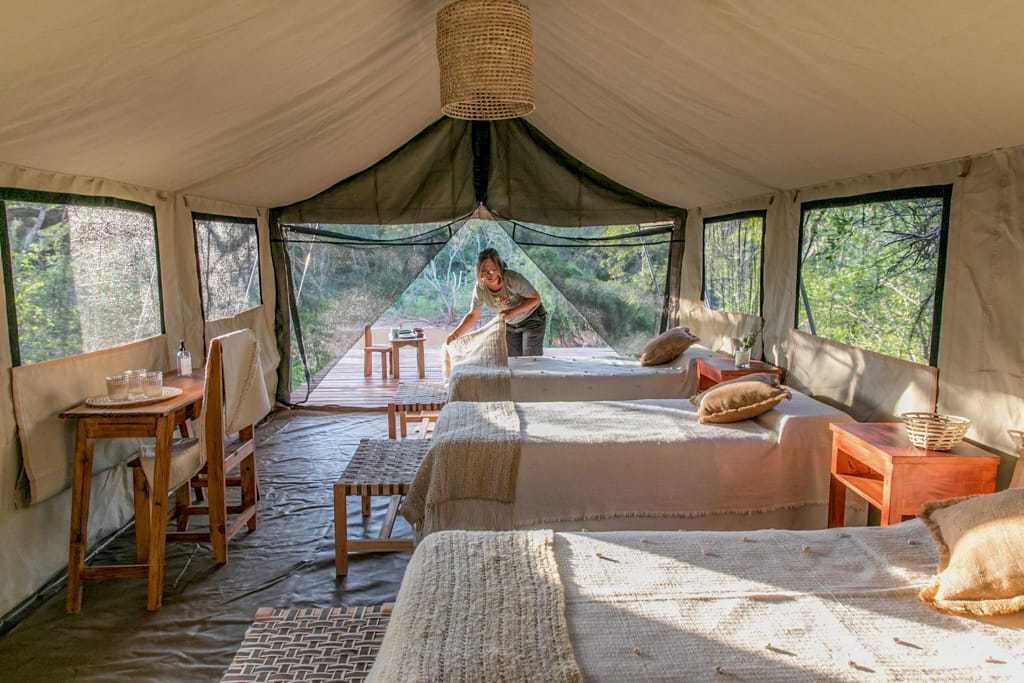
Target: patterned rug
(312,644)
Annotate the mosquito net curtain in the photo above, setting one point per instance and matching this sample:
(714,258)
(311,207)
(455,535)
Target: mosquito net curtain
(351,250)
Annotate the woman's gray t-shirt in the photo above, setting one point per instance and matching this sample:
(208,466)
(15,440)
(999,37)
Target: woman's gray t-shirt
(514,288)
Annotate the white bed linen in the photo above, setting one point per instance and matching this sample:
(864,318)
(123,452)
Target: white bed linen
(772,606)
(649,464)
(602,378)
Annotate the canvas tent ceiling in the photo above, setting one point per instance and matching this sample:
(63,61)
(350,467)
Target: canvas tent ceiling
(265,103)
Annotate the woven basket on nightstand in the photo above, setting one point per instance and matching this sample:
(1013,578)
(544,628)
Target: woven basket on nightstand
(935,432)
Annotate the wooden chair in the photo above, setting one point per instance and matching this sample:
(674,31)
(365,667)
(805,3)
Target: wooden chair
(369,349)
(223,456)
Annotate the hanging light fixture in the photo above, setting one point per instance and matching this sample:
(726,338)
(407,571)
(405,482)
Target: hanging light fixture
(485,54)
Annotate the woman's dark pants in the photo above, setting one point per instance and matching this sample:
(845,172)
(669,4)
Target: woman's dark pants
(526,338)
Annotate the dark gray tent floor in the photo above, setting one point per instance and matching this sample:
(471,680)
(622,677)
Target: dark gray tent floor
(287,562)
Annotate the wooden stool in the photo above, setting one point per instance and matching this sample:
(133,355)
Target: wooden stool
(379,467)
(419,401)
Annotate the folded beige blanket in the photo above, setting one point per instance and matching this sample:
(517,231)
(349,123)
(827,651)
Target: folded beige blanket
(476,365)
(457,594)
(468,479)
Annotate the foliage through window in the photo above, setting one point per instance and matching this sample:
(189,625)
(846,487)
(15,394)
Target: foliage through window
(733,249)
(82,272)
(229,264)
(871,269)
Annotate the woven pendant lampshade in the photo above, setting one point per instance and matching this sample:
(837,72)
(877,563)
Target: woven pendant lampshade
(485,52)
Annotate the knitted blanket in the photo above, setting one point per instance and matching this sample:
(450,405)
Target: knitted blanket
(468,478)
(478,606)
(476,365)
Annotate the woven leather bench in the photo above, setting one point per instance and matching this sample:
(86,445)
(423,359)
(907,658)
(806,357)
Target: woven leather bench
(415,401)
(379,467)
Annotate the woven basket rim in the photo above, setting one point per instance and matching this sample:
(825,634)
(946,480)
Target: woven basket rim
(935,417)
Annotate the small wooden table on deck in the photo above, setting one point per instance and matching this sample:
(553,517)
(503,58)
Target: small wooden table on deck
(157,420)
(877,461)
(711,371)
(396,344)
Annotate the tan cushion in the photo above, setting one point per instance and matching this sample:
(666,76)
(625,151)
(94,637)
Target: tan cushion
(768,378)
(742,400)
(980,541)
(667,346)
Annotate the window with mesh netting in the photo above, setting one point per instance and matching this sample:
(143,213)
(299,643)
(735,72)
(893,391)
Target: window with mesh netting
(733,260)
(227,253)
(871,270)
(80,273)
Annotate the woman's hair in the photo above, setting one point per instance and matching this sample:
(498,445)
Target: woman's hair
(489,254)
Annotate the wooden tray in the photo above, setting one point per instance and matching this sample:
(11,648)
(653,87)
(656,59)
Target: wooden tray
(132,401)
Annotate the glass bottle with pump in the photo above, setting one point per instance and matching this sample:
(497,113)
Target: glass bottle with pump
(184,360)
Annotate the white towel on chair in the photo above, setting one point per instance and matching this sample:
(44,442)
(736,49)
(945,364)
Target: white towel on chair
(245,391)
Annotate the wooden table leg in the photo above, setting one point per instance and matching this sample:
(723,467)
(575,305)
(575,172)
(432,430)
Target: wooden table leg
(836,503)
(340,531)
(81,485)
(403,423)
(420,362)
(396,370)
(142,515)
(158,518)
(392,427)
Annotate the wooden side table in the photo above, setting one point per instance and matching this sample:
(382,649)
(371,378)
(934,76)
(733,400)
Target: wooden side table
(711,371)
(396,344)
(877,461)
(156,420)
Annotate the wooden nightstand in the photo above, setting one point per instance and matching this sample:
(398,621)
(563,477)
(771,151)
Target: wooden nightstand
(711,371)
(878,462)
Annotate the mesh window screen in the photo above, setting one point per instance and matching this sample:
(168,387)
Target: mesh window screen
(345,276)
(871,269)
(614,275)
(229,265)
(442,293)
(72,291)
(733,255)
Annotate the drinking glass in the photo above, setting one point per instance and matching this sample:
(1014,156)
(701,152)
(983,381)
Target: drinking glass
(153,384)
(135,381)
(117,387)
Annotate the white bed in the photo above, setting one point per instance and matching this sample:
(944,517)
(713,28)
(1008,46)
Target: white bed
(607,378)
(839,604)
(480,370)
(608,465)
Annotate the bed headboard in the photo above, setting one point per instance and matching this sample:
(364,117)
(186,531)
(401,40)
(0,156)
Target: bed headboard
(869,386)
(716,329)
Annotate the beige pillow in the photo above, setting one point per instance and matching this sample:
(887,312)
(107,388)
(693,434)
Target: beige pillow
(980,540)
(739,400)
(768,378)
(667,346)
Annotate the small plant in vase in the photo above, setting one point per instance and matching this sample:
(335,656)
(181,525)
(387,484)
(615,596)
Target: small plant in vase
(743,350)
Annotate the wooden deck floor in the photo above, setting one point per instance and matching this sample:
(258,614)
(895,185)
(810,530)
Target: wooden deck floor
(345,387)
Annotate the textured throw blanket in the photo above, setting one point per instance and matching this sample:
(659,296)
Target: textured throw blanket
(833,605)
(476,365)
(468,479)
(479,607)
